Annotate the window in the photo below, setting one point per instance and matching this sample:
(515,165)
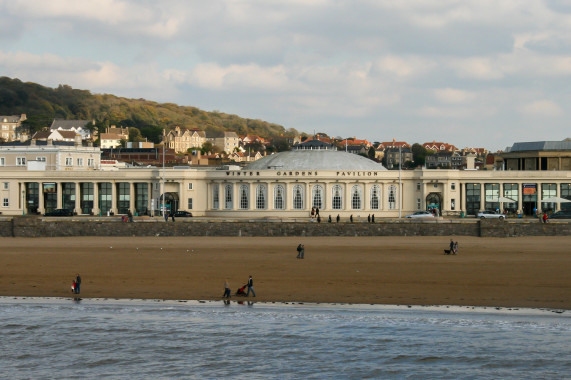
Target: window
(418,186)
(80,162)
(453,186)
(6,185)
(21,161)
(375,197)
(2,161)
(41,159)
(337,197)
(473,196)
(317,197)
(190,203)
(298,197)
(244,197)
(68,161)
(228,197)
(190,186)
(90,162)
(392,197)
(356,197)
(492,196)
(6,202)
(511,192)
(215,196)
(548,190)
(279,197)
(565,193)
(261,197)
(418,203)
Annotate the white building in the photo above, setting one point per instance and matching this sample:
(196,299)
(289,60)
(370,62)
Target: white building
(38,178)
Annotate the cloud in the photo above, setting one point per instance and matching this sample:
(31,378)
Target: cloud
(542,108)
(453,95)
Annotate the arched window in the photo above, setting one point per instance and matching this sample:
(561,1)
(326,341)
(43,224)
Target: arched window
(317,196)
(356,197)
(375,197)
(244,197)
(261,197)
(298,197)
(228,197)
(392,197)
(337,197)
(215,196)
(279,197)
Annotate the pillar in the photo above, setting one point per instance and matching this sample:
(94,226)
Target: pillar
(59,193)
(95,209)
(114,197)
(78,195)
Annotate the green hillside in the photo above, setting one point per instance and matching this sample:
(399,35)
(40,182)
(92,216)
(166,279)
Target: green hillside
(42,104)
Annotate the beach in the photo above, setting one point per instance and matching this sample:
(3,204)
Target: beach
(501,272)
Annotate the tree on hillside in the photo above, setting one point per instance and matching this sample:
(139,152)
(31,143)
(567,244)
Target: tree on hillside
(371,153)
(419,154)
(207,147)
(135,135)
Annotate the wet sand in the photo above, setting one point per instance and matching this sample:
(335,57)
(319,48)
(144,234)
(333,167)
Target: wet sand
(507,272)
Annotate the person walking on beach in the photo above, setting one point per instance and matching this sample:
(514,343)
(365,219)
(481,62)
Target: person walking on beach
(226,289)
(77,283)
(299,251)
(250,287)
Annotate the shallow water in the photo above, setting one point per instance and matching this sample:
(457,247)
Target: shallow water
(58,338)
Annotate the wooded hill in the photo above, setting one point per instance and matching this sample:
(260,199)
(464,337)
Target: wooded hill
(42,104)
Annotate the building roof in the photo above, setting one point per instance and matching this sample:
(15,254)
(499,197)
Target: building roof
(313,144)
(539,145)
(110,136)
(11,118)
(69,124)
(314,159)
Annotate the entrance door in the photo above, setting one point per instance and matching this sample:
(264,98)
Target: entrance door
(434,202)
(171,202)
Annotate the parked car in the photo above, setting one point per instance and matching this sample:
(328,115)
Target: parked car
(563,214)
(59,212)
(183,214)
(420,214)
(488,214)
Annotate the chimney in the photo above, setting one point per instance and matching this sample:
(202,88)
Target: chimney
(50,142)
(33,142)
(77,140)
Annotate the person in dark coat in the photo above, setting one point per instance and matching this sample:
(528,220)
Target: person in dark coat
(351,218)
(373,218)
(77,283)
(250,287)
(338,218)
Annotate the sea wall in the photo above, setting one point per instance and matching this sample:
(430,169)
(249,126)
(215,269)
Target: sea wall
(31,226)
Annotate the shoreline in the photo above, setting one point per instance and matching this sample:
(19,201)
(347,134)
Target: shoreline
(529,272)
(314,305)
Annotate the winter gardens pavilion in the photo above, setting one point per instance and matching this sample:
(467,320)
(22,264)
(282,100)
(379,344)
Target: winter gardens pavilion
(41,176)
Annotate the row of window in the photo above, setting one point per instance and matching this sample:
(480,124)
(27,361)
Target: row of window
(21,161)
(356,200)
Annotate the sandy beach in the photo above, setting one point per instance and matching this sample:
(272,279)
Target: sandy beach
(507,272)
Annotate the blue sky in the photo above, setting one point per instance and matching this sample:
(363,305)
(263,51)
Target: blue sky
(471,73)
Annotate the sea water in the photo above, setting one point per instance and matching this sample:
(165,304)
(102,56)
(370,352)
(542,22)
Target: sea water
(116,339)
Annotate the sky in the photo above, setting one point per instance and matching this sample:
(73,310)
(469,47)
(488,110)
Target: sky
(473,73)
